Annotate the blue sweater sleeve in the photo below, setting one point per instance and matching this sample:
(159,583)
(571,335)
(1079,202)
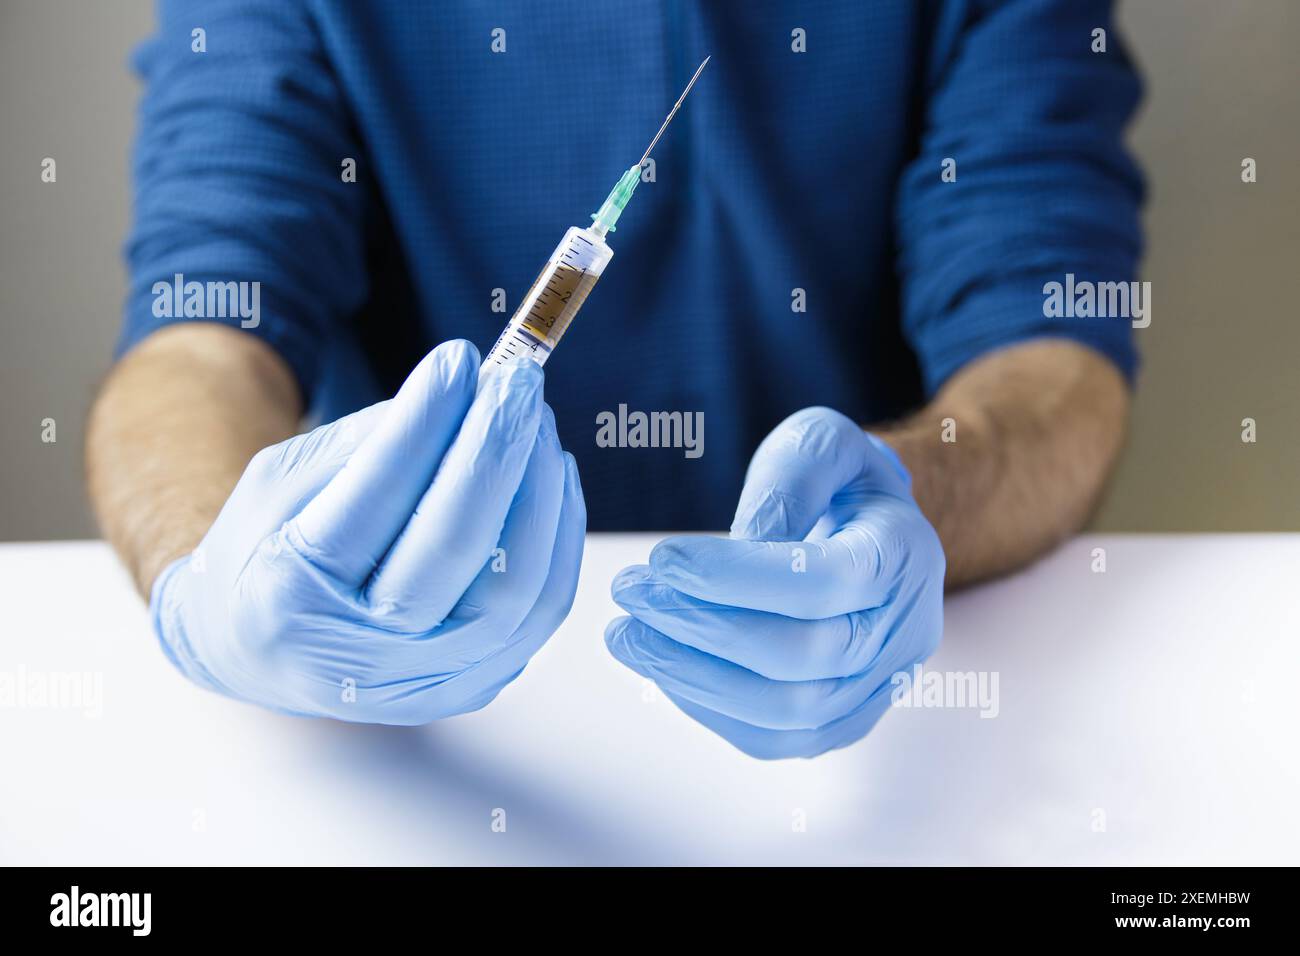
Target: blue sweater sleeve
(1034,120)
(237,170)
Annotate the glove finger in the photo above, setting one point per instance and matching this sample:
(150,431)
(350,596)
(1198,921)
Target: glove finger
(317,456)
(352,522)
(767,744)
(555,599)
(856,568)
(458,521)
(772,645)
(731,690)
(466,690)
(797,470)
(282,478)
(509,585)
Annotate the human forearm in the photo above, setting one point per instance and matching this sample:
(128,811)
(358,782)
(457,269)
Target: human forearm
(1034,432)
(172,430)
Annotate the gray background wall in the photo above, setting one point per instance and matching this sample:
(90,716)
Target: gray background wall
(1224,258)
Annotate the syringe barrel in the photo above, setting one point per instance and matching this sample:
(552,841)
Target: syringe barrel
(554,299)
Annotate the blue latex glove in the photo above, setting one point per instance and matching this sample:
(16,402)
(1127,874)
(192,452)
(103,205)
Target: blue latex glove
(784,662)
(354,571)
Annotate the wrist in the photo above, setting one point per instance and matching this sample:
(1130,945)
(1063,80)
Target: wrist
(148,569)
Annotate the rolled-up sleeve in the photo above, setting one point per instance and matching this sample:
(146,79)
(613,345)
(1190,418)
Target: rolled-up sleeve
(1032,121)
(237,167)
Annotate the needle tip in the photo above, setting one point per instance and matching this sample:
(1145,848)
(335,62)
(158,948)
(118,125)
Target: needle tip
(676,106)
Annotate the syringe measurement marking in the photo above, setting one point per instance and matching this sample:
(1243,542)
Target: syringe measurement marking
(556,301)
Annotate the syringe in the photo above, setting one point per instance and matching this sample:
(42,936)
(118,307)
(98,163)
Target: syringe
(567,278)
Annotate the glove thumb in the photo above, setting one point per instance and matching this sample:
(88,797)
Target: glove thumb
(801,465)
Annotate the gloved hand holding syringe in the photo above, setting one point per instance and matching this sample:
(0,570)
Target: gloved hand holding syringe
(567,278)
(403,563)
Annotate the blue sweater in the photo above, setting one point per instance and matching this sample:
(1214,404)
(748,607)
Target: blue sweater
(818,171)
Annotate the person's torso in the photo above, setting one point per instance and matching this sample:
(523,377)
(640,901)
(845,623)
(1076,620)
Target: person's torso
(752,277)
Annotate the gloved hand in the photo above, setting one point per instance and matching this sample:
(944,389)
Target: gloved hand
(783,638)
(396,566)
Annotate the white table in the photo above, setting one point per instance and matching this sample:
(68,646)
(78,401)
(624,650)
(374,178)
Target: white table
(1145,716)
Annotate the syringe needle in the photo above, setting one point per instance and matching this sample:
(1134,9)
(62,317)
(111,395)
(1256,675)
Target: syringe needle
(575,265)
(603,219)
(676,107)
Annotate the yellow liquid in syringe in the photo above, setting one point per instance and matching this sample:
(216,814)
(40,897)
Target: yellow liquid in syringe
(554,299)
